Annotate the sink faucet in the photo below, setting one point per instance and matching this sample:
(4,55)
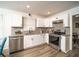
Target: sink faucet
(30,29)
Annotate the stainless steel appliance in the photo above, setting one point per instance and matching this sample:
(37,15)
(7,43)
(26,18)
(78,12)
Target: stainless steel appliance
(54,41)
(15,44)
(55,37)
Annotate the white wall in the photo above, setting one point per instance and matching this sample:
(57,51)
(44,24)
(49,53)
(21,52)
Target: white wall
(1,25)
(7,22)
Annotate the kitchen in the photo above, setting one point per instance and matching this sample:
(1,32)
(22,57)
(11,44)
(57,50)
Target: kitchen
(27,30)
(31,34)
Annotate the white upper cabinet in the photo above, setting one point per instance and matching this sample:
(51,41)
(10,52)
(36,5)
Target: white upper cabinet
(44,23)
(16,20)
(48,23)
(64,17)
(40,23)
(29,23)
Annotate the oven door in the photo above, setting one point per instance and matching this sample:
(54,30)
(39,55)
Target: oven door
(54,40)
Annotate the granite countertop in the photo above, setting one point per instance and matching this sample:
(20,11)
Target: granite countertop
(26,34)
(34,33)
(66,35)
(17,35)
(52,34)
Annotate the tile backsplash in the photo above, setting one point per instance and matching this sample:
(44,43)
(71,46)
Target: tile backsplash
(16,30)
(45,29)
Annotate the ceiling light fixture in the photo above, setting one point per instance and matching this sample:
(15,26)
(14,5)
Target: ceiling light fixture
(28,6)
(28,10)
(49,12)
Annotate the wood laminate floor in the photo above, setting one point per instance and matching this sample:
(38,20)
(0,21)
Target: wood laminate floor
(44,51)
(40,51)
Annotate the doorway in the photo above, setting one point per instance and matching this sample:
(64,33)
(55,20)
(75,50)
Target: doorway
(75,31)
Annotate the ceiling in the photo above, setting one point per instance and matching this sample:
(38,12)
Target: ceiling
(40,7)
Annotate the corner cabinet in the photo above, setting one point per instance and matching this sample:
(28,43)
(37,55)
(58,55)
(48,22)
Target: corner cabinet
(33,40)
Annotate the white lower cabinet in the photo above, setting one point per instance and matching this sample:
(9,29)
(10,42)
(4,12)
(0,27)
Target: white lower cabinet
(27,41)
(63,39)
(33,40)
(65,43)
(46,37)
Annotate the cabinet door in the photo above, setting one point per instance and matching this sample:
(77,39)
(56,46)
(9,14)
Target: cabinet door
(42,38)
(67,43)
(27,41)
(63,43)
(37,40)
(16,20)
(33,40)
(46,37)
(40,23)
(29,23)
(47,23)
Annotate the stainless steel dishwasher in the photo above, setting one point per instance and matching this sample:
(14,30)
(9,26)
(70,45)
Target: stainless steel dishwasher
(15,44)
